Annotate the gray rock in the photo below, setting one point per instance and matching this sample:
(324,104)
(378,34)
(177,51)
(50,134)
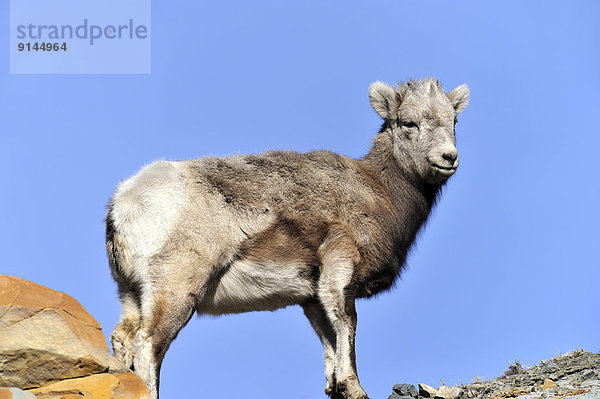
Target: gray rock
(577,374)
(446,392)
(550,368)
(587,374)
(394,395)
(405,390)
(427,391)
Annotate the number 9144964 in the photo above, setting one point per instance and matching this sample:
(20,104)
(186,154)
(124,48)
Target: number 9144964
(42,46)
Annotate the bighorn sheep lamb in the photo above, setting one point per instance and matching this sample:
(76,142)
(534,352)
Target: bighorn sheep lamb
(262,232)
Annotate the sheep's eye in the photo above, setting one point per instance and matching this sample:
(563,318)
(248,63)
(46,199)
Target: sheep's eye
(408,124)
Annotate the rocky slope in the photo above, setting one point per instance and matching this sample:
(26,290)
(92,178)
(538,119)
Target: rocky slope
(572,375)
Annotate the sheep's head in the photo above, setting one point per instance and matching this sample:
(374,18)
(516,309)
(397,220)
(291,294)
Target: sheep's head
(421,119)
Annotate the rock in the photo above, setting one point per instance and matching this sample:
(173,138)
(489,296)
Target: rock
(405,390)
(46,335)
(52,347)
(427,391)
(517,391)
(394,395)
(513,369)
(15,393)
(447,392)
(587,374)
(550,368)
(130,387)
(577,392)
(548,384)
(96,386)
(577,374)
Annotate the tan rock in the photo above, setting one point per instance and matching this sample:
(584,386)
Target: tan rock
(516,392)
(15,393)
(24,298)
(548,384)
(573,393)
(448,392)
(130,387)
(427,391)
(46,335)
(97,386)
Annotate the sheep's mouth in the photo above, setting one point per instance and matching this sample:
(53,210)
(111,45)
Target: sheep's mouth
(445,170)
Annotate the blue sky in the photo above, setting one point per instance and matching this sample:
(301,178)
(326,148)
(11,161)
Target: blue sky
(508,266)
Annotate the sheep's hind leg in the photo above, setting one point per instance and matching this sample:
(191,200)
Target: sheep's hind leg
(164,314)
(124,333)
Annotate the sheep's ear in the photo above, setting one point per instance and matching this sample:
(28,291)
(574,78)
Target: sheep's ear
(383,100)
(459,98)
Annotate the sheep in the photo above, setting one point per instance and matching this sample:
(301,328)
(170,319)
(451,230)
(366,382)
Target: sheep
(262,232)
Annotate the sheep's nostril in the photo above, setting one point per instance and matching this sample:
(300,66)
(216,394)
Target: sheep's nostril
(450,156)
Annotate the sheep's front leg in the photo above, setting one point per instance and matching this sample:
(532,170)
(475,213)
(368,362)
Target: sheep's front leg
(343,317)
(322,326)
(339,256)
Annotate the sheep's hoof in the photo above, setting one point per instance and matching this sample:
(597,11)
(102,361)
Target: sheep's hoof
(350,389)
(333,393)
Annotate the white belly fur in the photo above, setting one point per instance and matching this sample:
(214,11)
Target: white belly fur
(248,286)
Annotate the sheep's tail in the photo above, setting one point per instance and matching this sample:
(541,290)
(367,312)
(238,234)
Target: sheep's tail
(116,248)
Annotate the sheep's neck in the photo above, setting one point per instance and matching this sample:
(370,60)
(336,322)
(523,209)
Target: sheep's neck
(412,197)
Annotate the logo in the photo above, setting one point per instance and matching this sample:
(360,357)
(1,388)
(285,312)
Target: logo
(71,36)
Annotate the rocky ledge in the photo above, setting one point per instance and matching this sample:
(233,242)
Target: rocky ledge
(51,348)
(575,374)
